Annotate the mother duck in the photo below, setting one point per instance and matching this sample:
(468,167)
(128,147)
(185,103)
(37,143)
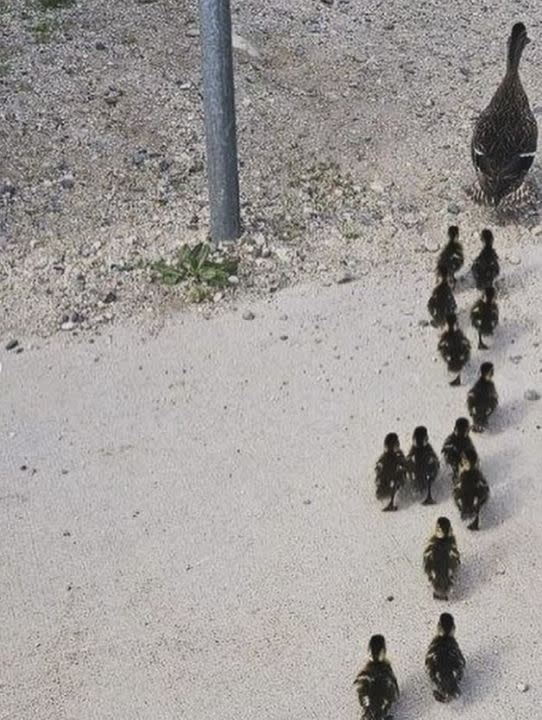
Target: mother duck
(505,136)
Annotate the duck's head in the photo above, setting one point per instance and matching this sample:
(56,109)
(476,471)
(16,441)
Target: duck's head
(487,238)
(377,648)
(462,427)
(420,436)
(446,625)
(487,370)
(517,42)
(443,527)
(391,442)
(469,459)
(490,293)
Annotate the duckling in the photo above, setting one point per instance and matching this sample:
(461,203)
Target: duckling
(484,315)
(390,471)
(451,257)
(485,267)
(505,135)
(442,302)
(482,399)
(423,463)
(441,559)
(471,490)
(444,661)
(456,444)
(376,683)
(454,348)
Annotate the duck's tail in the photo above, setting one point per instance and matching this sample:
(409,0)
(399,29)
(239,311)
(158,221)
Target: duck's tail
(516,43)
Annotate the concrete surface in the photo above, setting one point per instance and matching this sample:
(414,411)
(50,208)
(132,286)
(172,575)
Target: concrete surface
(196,535)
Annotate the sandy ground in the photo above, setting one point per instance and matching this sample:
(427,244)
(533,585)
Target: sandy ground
(196,536)
(354,124)
(195,533)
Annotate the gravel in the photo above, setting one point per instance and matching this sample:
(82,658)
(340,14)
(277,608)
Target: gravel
(353,140)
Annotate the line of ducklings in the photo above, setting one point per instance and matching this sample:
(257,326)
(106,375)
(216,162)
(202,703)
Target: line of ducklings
(376,683)
(453,345)
(420,467)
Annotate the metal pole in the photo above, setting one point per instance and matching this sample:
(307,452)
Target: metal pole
(220,129)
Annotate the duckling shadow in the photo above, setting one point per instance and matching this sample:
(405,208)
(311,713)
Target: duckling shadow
(509,413)
(516,279)
(483,669)
(507,333)
(415,700)
(504,500)
(478,569)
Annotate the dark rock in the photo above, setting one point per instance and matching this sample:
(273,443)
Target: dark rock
(12,344)
(113,95)
(139,157)
(67,181)
(7,189)
(110,297)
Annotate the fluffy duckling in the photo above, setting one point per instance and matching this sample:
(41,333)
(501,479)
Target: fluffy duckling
(376,683)
(456,444)
(441,559)
(442,302)
(505,136)
(454,348)
(485,267)
(471,490)
(451,257)
(444,661)
(390,471)
(423,464)
(482,399)
(484,315)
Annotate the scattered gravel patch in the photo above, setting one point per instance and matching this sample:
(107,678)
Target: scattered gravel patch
(351,145)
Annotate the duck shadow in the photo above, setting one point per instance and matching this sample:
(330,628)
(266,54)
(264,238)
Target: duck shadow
(416,698)
(509,413)
(441,490)
(504,499)
(484,668)
(478,569)
(515,279)
(507,333)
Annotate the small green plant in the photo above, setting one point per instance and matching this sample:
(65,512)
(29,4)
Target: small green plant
(43,31)
(195,264)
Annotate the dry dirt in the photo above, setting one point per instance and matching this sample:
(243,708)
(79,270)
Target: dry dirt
(354,125)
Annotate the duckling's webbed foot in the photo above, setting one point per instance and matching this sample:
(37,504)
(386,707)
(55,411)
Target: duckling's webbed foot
(475,524)
(481,344)
(390,507)
(439,697)
(456,382)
